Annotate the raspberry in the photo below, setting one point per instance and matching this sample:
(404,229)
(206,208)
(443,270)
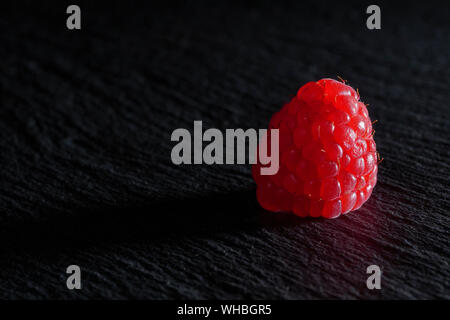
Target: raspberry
(327,153)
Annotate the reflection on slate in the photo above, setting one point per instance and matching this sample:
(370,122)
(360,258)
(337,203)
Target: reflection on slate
(86,176)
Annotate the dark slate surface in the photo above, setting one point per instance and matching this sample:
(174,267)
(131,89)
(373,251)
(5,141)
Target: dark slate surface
(86,176)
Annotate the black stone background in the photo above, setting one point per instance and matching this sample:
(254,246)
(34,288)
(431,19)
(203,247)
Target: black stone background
(86,177)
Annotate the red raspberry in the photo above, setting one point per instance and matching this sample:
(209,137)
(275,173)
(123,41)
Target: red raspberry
(327,153)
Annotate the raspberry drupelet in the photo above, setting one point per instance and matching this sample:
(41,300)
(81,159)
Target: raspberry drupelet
(328,159)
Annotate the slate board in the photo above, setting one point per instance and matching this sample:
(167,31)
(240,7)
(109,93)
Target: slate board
(86,177)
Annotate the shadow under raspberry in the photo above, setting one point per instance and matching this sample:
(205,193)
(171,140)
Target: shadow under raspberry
(157,221)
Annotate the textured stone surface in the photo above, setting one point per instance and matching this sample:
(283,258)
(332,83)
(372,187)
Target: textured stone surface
(86,177)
